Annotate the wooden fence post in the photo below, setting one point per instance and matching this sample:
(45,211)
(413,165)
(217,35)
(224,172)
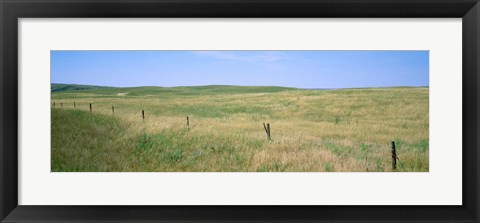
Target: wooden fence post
(188,123)
(54,104)
(90,107)
(143,114)
(394,157)
(61,104)
(113,110)
(74,105)
(267,130)
(269,133)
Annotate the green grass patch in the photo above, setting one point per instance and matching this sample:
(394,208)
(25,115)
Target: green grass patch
(85,142)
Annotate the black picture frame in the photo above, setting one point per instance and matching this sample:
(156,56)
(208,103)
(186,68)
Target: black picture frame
(12,10)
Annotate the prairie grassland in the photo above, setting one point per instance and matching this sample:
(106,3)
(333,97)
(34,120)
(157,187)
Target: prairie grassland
(345,130)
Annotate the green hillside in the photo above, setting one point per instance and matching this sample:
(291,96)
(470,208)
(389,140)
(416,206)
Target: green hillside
(100,92)
(73,87)
(86,141)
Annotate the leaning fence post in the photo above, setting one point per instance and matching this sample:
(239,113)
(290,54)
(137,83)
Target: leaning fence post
(394,157)
(188,123)
(143,114)
(90,107)
(267,130)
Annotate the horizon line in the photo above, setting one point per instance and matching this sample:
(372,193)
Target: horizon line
(232,85)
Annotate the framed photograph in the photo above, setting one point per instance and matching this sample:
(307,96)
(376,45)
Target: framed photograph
(255,111)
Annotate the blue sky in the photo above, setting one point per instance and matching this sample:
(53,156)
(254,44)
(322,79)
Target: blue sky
(301,69)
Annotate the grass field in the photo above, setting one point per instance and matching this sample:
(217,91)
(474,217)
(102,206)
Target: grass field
(345,130)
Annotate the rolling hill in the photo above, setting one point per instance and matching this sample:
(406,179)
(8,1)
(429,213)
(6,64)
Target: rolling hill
(99,91)
(73,87)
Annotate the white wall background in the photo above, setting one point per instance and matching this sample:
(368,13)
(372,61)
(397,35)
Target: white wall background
(441,186)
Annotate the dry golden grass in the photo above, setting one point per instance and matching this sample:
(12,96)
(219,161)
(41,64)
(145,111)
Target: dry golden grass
(346,130)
